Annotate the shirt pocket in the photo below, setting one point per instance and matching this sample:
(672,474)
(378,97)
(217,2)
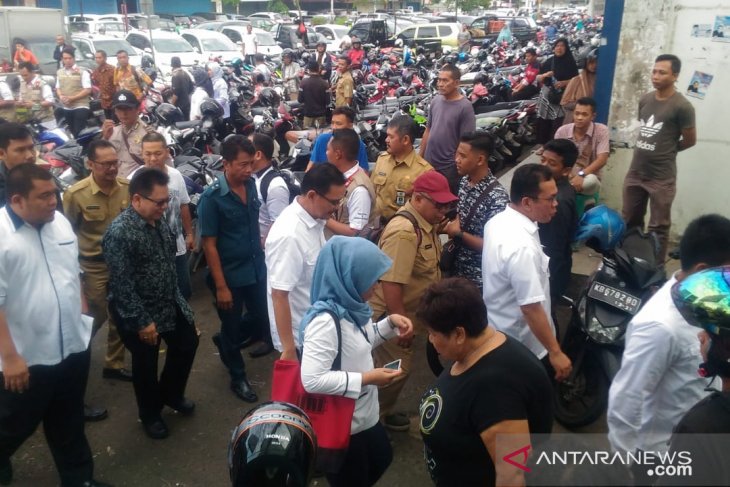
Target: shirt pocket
(427,258)
(94,215)
(544,266)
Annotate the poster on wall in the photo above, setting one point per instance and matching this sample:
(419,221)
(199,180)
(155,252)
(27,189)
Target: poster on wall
(701,30)
(721,29)
(699,84)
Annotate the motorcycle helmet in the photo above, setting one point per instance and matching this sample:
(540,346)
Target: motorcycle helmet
(169,114)
(406,77)
(481,78)
(287,52)
(601,228)
(482,55)
(305,57)
(273,445)
(593,55)
(269,97)
(463,57)
(211,109)
(451,59)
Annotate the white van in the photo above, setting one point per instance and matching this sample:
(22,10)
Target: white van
(164,45)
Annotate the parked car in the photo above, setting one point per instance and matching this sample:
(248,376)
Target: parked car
(163,46)
(333,34)
(427,34)
(372,31)
(488,27)
(212,45)
(105,27)
(211,15)
(266,43)
(272,16)
(86,46)
(287,37)
(178,19)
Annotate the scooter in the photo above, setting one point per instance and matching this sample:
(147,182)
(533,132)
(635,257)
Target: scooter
(625,279)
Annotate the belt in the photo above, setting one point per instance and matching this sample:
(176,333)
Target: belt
(92,258)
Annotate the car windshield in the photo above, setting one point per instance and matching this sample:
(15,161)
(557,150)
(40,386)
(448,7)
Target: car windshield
(218,44)
(113,46)
(171,45)
(265,39)
(339,31)
(43,49)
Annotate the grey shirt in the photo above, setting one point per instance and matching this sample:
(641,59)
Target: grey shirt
(447,122)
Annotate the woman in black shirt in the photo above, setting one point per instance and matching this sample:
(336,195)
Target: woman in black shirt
(495,386)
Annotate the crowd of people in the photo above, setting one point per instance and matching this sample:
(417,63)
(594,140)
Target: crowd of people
(357,247)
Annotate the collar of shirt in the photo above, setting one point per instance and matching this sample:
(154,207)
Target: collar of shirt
(528,225)
(305,217)
(262,173)
(18,222)
(425,226)
(350,173)
(407,160)
(589,132)
(136,126)
(482,184)
(95,188)
(36,79)
(72,69)
(137,219)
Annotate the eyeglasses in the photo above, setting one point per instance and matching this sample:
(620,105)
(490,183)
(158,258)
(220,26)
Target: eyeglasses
(159,203)
(331,201)
(106,165)
(439,206)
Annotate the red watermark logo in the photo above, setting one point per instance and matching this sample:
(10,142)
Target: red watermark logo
(524,452)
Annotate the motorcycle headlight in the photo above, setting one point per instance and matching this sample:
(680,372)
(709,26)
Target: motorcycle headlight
(601,334)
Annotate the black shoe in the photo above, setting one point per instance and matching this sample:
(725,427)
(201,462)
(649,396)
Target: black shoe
(247,342)
(117,374)
(6,472)
(93,413)
(184,406)
(217,342)
(156,429)
(261,349)
(95,483)
(244,391)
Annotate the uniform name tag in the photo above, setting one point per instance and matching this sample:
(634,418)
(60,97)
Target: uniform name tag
(93,207)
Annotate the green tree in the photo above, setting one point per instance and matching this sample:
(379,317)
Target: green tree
(277,6)
(233,3)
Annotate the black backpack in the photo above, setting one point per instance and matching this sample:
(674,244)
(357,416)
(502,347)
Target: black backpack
(292,183)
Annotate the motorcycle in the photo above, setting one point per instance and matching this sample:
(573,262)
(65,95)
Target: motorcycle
(594,340)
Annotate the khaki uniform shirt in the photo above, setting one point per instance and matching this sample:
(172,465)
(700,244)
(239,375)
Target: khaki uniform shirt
(415,266)
(129,151)
(90,212)
(345,88)
(393,181)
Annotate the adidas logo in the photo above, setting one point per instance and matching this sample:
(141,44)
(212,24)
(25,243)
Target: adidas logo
(649,129)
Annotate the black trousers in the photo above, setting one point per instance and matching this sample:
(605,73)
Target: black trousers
(368,457)
(546,129)
(153,393)
(55,397)
(76,118)
(529,91)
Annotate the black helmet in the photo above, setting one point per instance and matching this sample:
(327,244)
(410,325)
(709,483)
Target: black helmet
(147,62)
(273,445)
(211,109)
(482,78)
(269,97)
(406,77)
(169,114)
(482,55)
(593,55)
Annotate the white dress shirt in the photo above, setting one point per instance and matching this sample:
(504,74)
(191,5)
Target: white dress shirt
(515,273)
(658,381)
(292,248)
(320,349)
(196,99)
(5,93)
(277,199)
(40,289)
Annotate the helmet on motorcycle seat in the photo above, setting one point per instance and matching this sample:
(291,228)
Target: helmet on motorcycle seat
(211,109)
(451,59)
(385,72)
(169,114)
(420,50)
(482,55)
(151,72)
(481,78)
(601,228)
(463,57)
(305,57)
(273,445)
(237,62)
(406,77)
(147,62)
(269,97)
(703,299)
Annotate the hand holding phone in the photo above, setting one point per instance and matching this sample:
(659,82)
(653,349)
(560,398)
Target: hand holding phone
(394,365)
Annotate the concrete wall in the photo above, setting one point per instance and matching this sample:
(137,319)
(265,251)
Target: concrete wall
(650,28)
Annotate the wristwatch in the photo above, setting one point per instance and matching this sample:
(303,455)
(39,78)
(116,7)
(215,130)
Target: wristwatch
(582,173)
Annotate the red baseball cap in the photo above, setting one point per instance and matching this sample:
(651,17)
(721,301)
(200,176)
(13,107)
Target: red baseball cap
(435,185)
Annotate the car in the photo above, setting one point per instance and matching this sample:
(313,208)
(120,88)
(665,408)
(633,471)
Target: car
(105,27)
(178,19)
(272,16)
(164,45)
(139,21)
(212,45)
(372,31)
(428,34)
(261,23)
(86,46)
(333,34)
(266,43)
(286,35)
(211,15)
(523,29)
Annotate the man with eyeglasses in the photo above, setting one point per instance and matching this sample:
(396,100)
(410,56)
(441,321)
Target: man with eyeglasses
(411,239)
(515,271)
(146,302)
(292,247)
(91,205)
(229,217)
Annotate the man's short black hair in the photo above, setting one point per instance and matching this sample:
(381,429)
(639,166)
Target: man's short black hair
(526,182)
(70,50)
(346,111)
(347,141)
(479,141)
(705,241)
(233,145)
(175,62)
(264,143)
(404,125)
(96,145)
(145,179)
(676,63)
(20,179)
(122,51)
(26,65)
(531,50)
(452,70)
(13,131)
(321,178)
(151,137)
(102,52)
(453,302)
(346,59)
(587,101)
(565,148)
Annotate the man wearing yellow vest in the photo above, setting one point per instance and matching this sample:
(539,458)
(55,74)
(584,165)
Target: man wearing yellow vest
(36,96)
(73,87)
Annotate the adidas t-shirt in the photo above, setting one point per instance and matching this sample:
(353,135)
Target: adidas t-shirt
(662,122)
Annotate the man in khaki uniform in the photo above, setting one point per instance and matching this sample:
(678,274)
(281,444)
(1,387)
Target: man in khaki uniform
(91,205)
(411,240)
(345,85)
(397,169)
(127,136)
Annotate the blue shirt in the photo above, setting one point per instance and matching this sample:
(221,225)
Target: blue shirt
(235,225)
(319,152)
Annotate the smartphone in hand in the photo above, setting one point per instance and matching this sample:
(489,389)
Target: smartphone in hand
(394,365)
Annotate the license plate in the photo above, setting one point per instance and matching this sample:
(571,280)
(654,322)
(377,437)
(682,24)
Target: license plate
(615,297)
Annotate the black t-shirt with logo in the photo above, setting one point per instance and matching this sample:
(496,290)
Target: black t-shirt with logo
(508,383)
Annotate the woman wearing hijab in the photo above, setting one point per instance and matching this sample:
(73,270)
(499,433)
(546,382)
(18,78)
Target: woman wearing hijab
(581,86)
(346,272)
(556,71)
(203,89)
(220,88)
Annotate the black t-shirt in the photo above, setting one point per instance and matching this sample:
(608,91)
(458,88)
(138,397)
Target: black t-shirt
(508,383)
(556,237)
(182,86)
(313,94)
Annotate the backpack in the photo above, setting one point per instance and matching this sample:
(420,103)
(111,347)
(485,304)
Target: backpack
(292,183)
(374,234)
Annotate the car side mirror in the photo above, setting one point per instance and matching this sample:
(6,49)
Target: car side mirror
(148,50)
(88,55)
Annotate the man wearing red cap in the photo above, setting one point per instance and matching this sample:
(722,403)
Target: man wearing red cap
(411,239)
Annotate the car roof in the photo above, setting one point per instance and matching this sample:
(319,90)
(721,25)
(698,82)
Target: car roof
(94,37)
(157,33)
(203,33)
(332,26)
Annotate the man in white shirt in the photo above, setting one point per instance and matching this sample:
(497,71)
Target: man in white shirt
(658,381)
(515,268)
(44,355)
(358,209)
(270,185)
(292,247)
(155,154)
(249,45)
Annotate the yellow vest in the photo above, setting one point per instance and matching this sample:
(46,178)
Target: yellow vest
(34,94)
(70,84)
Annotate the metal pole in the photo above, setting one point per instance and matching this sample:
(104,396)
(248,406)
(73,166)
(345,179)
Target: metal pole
(607,56)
